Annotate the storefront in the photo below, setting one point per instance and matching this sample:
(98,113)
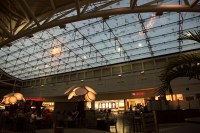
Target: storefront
(119,106)
(116,106)
(2,107)
(48,106)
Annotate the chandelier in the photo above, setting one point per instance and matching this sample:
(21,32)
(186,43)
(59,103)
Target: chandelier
(12,98)
(85,91)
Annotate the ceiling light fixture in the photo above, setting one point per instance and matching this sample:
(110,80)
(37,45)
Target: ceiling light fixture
(56,51)
(84,57)
(86,91)
(140,45)
(12,98)
(119,49)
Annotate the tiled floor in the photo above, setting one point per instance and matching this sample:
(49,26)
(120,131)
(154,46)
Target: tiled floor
(72,130)
(180,128)
(163,128)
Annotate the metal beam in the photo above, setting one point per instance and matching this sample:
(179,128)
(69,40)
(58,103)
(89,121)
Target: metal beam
(66,7)
(126,10)
(53,5)
(6,31)
(77,7)
(10,84)
(19,28)
(26,25)
(29,11)
(194,3)
(64,14)
(85,8)
(133,3)
(22,9)
(152,2)
(105,5)
(144,30)
(186,2)
(12,13)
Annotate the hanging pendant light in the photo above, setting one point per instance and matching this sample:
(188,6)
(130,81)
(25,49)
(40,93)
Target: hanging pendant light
(90,89)
(19,96)
(71,95)
(90,96)
(87,99)
(6,101)
(12,100)
(83,90)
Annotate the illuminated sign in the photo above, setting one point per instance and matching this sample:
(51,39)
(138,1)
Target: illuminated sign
(107,105)
(35,99)
(138,93)
(48,104)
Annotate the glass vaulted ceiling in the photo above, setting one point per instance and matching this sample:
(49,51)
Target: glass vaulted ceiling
(96,42)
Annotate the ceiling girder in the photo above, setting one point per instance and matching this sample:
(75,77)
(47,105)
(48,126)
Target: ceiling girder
(144,31)
(26,25)
(22,9)
(186,2)
(105,5)
(30,12)
(104,41)
(151,2)
(9,10)
(7,80)
(53,5)
(103,13)
(133,3)
(6,31)
(194,3)
(64,14)
(78,7)
(9,84)
(66,7)
(85,8)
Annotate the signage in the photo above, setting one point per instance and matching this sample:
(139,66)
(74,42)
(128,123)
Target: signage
(107,105)
(138,93)
(48,104)
(35,99)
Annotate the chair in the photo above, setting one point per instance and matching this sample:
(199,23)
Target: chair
(113,124)
(149,122)
(128,122)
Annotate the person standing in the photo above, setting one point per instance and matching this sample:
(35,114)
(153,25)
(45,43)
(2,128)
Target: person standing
(4,120)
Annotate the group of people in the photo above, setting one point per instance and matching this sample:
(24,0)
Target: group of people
(27,121)
(21,120)
(66,119)
(108,118)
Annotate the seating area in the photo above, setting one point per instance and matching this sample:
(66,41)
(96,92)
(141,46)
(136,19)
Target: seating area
(163,128)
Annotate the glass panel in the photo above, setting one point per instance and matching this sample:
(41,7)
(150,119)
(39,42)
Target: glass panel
(95,42)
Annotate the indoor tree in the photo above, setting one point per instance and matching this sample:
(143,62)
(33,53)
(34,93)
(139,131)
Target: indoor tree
(187,65)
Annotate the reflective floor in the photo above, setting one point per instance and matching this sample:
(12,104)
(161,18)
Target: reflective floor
(124,127)
(163,128)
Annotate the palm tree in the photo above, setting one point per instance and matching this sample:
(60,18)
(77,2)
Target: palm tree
(191,35)
(187,65)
